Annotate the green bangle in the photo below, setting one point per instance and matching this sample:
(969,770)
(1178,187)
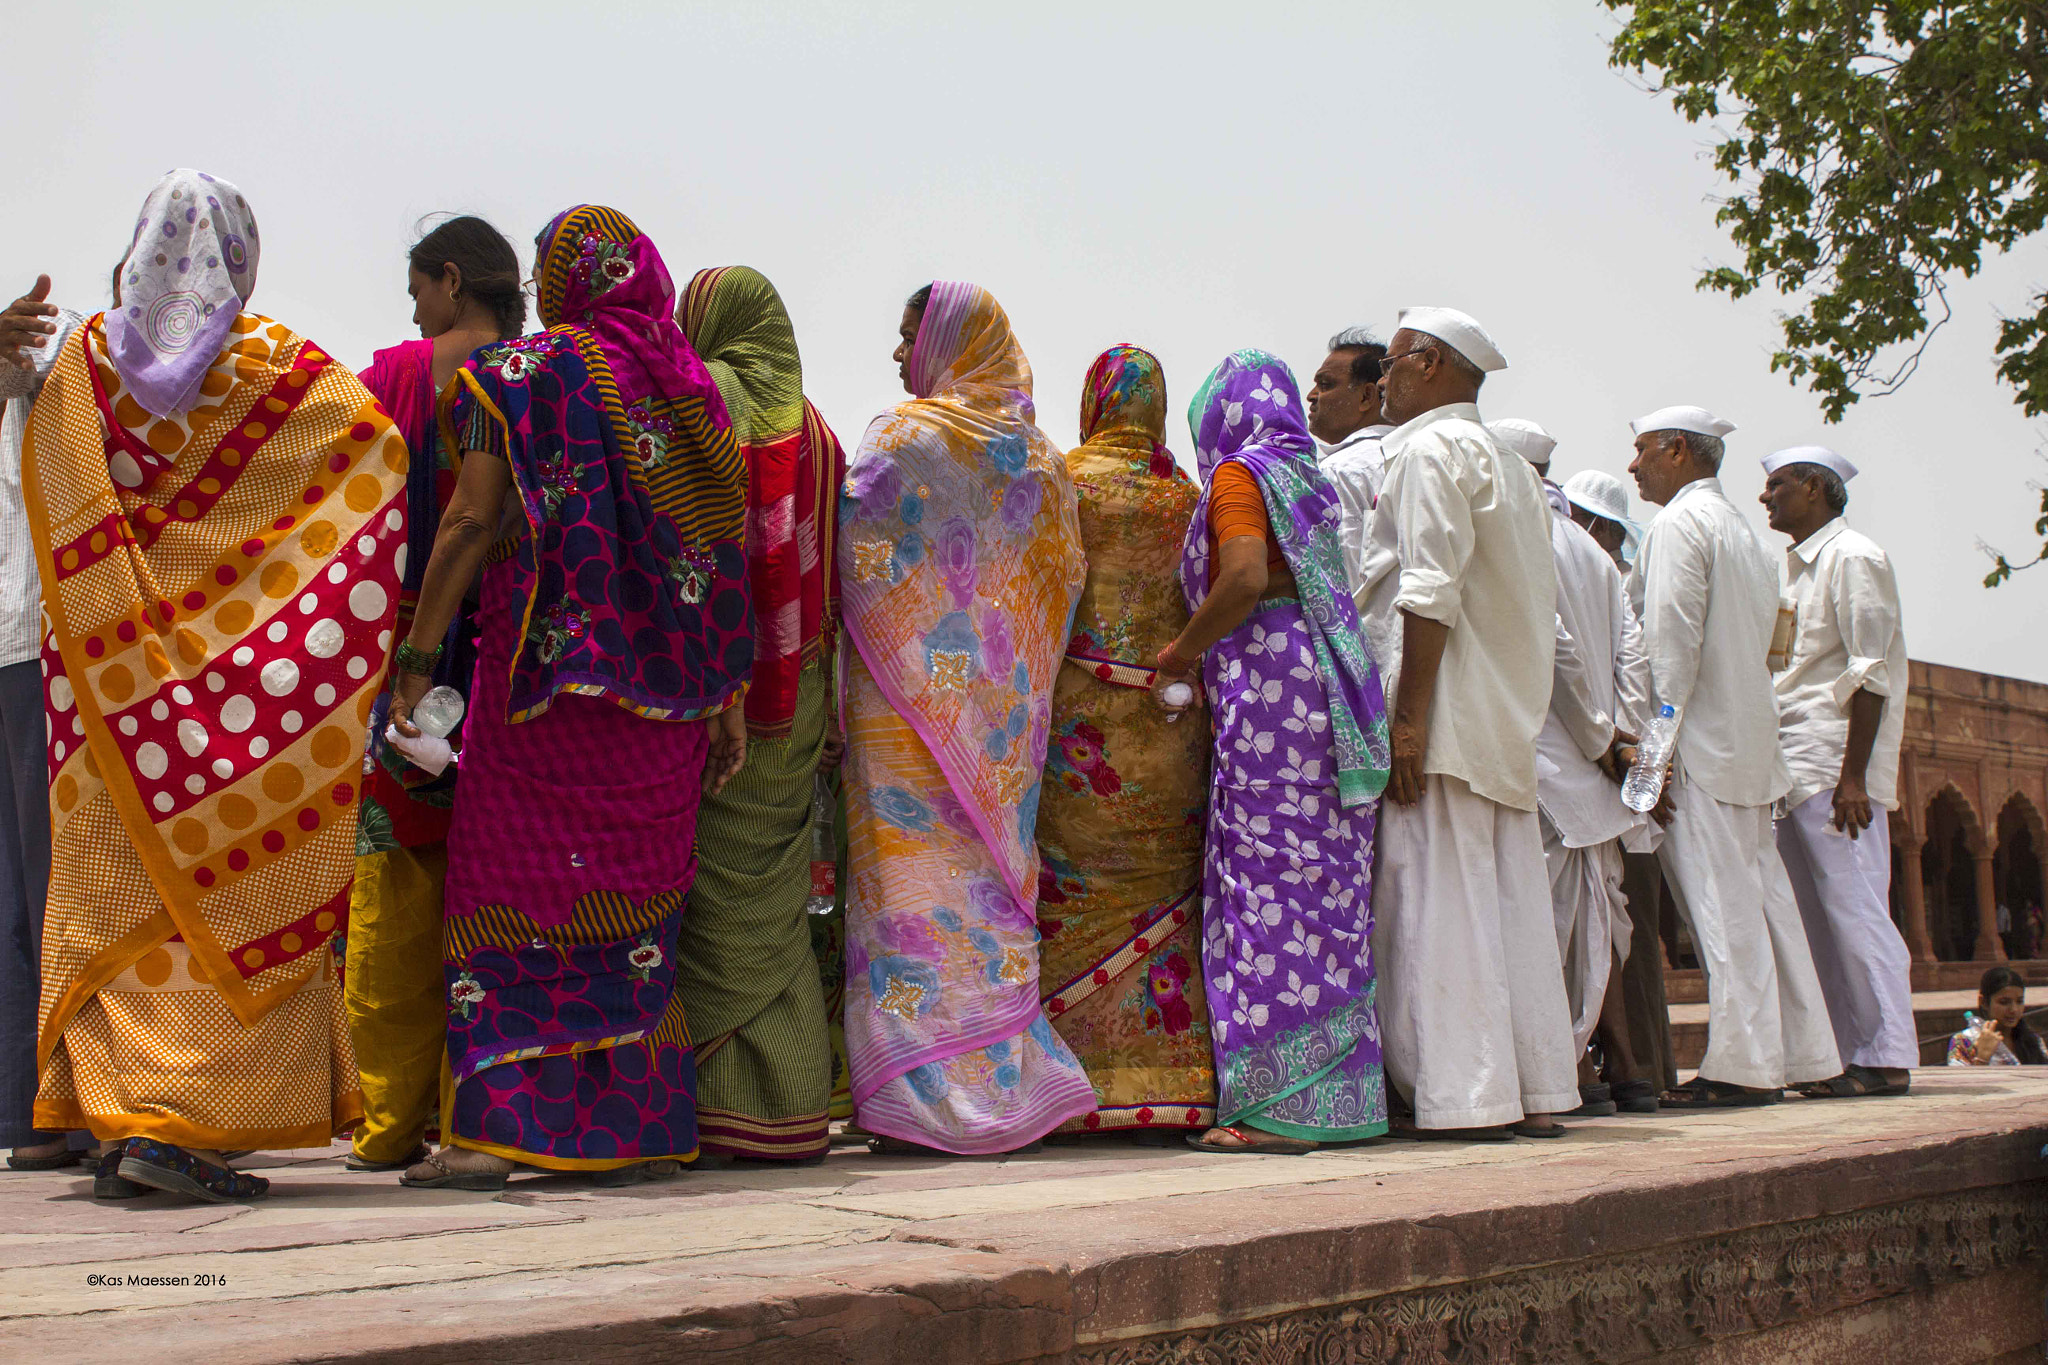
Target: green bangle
(417,662)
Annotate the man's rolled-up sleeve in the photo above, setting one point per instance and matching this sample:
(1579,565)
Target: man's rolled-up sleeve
(1436,536)
(1867,611)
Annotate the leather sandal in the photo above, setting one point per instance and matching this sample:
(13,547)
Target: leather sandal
(487,1182)
(1251,1143)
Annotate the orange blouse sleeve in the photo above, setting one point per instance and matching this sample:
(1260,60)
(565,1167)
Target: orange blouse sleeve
(1236,507)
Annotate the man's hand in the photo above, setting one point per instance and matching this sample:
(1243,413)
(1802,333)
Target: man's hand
(26,325)
(1852,806)
(728,748)
(1411,742)
(1613,762)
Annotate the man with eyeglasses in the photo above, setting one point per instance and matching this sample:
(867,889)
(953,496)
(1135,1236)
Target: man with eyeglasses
(1461,608)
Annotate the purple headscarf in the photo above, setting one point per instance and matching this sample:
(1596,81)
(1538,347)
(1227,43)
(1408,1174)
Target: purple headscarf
(190,270)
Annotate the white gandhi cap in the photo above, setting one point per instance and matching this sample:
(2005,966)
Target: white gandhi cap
(1524,437)
(1459,331)
(1697,420)
(1819,455)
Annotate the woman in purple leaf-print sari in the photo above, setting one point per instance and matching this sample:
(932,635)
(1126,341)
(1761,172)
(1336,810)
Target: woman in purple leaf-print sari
(1300,758)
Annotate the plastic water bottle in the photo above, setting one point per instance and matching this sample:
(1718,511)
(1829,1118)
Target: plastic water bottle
(1645,782)
(824,851)
(439,712)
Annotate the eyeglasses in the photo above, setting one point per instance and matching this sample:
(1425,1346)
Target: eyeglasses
(530,287)
(1387,363)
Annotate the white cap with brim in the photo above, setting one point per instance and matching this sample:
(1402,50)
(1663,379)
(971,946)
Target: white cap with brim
(1819,455)
(1524,437)
(1459,331)
(1605,496)
(1697,420)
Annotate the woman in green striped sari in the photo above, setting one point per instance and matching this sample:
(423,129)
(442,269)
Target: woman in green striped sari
(746,975)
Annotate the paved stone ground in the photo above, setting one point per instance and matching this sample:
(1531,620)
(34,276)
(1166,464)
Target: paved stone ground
(1011,1259)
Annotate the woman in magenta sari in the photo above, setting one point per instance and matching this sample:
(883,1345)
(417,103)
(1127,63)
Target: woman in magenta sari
(960,562)
(1301,756)
(602,477)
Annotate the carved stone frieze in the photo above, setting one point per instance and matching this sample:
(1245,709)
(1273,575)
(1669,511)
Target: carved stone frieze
(1640,1305)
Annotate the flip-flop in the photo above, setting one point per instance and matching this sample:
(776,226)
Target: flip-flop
(1855,1083)
(164,1166)
(619,1177)
(1265,1144)
(1701,1093)
(486,1182)
(355,1161)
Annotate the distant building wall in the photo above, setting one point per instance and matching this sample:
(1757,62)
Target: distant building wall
(1968,837)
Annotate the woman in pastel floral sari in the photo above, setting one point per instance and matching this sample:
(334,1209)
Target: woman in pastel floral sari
(1120,824)
(1301,757)
(960,563)
(605,495)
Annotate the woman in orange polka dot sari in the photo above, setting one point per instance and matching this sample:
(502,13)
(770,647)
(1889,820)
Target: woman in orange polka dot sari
(218,515)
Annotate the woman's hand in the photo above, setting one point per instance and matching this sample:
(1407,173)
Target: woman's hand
(1170,670)
(835,747)
(1988,1039)
(728,748)
(406,691)
(26,325)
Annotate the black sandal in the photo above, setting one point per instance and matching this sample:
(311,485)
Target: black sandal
(1701,1093)
(1855,1083)
(61,1161)
(1596,1101)
(1634,1097)
(163,1166)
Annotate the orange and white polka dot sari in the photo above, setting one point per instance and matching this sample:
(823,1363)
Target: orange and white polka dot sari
(219,586)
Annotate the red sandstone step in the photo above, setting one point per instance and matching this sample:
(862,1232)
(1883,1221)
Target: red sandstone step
(1686,986)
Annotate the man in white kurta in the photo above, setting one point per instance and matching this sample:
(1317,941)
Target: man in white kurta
(1461,598)
(1841,716)
(1599,685)
(1344,417)
(1708,598)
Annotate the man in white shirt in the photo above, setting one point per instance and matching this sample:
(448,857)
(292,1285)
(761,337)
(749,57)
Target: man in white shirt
(1600,689)
(32,331)
(1841,717)
(1708,598)
(1461,604)
(1344,417)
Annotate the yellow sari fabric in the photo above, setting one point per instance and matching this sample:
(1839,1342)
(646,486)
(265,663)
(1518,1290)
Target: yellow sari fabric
(1120,825)
(220,584)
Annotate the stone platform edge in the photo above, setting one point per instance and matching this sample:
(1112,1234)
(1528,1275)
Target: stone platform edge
(1670,1264)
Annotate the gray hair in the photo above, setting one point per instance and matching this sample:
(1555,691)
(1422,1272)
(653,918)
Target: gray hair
(1351,338)
(1832,490)
(1706,450)
(1455,358)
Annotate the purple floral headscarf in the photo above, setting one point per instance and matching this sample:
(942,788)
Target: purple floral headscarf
(190,269)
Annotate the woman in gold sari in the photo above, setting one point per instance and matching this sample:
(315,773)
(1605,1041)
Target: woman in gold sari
(219,519)
(1120,824)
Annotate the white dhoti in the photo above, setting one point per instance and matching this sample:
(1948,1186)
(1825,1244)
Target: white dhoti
(1767,1022)
(1843,888)
(1591,917)
(1473,1021)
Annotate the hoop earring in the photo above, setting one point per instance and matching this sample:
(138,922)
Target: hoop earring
(455,296)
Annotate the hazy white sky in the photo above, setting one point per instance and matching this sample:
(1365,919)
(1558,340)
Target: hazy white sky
(1190,177)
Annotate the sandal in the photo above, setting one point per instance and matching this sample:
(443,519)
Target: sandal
(1406,1128)
(355,1161)
(1596,1101)
(58,1162)
(1254,1143)
(1701,1093)
(488,1182)
(1553,1129)
(163,1166)
(619,1177)
(1634,1097)
(1855,1083)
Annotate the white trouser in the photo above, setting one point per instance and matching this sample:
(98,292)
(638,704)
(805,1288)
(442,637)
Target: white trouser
(1843,887)
(1593,927)
(1473,1019)
(1767,1022)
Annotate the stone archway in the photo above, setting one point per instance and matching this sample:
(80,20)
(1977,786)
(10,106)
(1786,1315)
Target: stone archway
(2016,873)
(1950,879)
